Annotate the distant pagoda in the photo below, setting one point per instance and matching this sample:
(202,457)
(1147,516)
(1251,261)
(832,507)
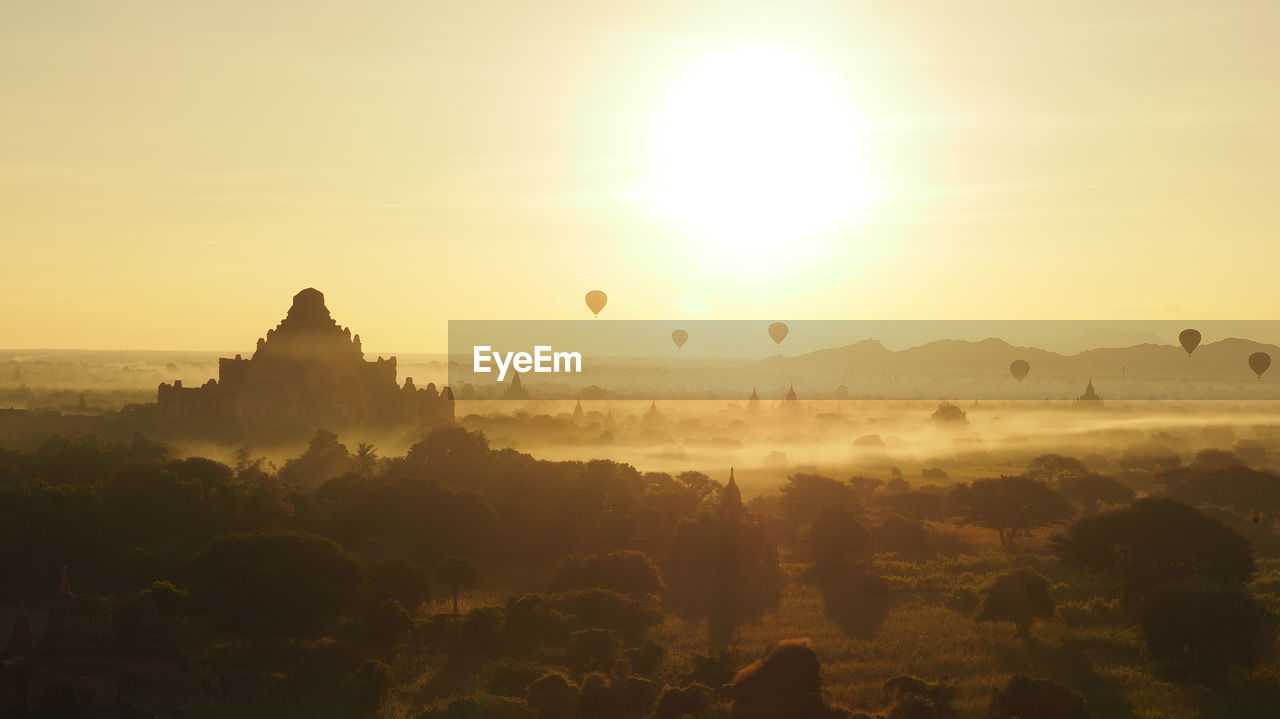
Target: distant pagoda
(1088,400)
(516,389)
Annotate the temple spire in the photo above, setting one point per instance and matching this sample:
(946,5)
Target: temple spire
(730,506)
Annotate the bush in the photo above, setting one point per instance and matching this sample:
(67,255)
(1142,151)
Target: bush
(593,649)
(552,696)
(785,683)
(1025,697)
(688,700)
(386,623)
(408,583)
(1020,596)
(607,609)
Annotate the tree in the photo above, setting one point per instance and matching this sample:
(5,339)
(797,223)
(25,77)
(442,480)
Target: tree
(1053,468)
(401,580)
(1020,596)
(1024,697)
(1149,456)
(324,459)
(804,495)
(287,583)
(916,504)
(430,520)
(552,695)
(1091,492)
(786,683)
(1250,451)
(1212,458)
(1012,506)
(1199,631)
(836,535)
(909,697)
(365,459)
(457,573)
(1240,489)
(949,415)
(627,571)
(607,609)
(1156,541)
(898,534)
(723,566)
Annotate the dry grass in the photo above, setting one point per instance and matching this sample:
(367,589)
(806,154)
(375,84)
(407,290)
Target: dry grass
(1092,646)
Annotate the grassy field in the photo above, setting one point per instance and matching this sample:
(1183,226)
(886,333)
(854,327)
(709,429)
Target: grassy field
(925,628)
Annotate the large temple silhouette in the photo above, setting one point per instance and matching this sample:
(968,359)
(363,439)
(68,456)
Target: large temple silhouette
(307,372)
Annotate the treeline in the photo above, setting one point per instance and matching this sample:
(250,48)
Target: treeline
(312,581)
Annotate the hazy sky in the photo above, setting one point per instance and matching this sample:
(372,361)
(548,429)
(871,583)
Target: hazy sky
(172,172)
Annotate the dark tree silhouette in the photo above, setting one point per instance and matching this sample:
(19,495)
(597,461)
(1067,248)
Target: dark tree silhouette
(552,696)
(1212,458)
(909,697)
(457,573)
(627,571)
(916,504)
(1024,697)
(325,458)
(286,583)
(950,416)
(785,684)
(1053,468)
(1200,631)
(804,495)
(723,565)
(1091,492)
(1149,456)
(1020,596)
(365,460)
(401,580)
(1156,541)
(896,533)
(835,536)
(1012,506)
(1245,491)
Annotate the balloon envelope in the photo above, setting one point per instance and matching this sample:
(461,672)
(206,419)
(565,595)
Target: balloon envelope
(679,337)
(1259,362)
(1019,369)
(778,332)
(1190,340)
(596,301)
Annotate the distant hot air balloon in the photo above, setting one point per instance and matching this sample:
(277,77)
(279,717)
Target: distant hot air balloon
(596,301)
(1259,362)
(1190,340)
(679,337)
(1019,369)
(778,331)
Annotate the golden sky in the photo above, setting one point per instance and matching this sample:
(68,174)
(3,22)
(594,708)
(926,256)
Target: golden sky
(172,172)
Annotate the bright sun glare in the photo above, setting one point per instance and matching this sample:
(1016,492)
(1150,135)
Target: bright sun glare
(757,152)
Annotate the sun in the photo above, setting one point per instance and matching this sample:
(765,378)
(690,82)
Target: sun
(757,153)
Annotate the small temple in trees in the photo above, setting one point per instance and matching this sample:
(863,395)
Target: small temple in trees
(307,372)
(63,671)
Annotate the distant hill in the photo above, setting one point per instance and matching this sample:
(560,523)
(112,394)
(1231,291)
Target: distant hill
(1222,360)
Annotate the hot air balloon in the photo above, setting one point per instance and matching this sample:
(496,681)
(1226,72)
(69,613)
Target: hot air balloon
(1190,340)
(596,301)
(679,337)
(1019,369)
(1259,362)
(778,332)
